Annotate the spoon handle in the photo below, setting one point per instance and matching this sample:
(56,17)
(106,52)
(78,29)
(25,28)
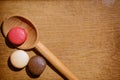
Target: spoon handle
(55,61)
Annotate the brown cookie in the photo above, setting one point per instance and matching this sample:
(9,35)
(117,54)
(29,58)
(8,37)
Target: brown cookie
(36,65)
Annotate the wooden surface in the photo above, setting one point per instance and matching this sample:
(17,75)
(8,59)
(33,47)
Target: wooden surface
(84,35)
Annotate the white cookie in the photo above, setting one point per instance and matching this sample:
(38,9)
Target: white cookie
(19,58)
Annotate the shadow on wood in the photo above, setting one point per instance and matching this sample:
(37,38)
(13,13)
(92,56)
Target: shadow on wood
(11,66)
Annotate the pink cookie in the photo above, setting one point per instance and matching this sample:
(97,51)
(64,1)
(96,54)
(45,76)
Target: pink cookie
(17,35)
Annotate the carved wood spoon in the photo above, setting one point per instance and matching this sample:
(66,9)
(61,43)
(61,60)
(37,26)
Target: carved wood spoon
(33,42)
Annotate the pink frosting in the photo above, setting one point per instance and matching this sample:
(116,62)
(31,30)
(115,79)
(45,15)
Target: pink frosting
(17,35)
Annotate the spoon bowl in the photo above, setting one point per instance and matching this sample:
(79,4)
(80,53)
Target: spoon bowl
(32,33)
(32,42)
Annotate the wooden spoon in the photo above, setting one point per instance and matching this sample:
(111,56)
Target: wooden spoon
(32,42)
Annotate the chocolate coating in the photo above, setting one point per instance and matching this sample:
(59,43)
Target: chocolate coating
(36,65)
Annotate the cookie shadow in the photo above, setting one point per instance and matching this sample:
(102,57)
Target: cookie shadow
(12,67)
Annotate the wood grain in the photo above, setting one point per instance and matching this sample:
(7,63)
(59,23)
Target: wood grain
(84,35)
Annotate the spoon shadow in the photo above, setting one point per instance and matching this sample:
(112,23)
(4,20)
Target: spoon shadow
(1,28)
(50,65)
(7,42)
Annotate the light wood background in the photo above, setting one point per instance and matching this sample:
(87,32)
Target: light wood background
(84,35)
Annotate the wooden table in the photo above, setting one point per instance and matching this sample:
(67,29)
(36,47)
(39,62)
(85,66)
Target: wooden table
(84,35)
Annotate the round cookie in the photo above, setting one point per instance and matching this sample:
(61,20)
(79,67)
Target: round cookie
(17,35)
(36,65)
(19,59)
